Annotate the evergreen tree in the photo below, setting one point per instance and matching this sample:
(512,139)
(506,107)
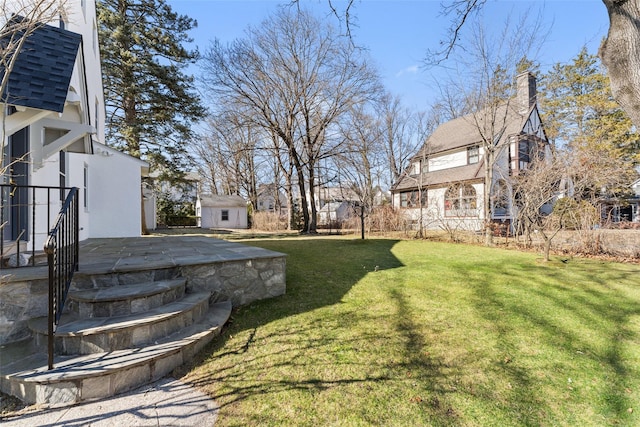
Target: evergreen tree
(579,110)
(149,98)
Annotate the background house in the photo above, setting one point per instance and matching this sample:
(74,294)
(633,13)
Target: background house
(271,199)
(446,178)
(214,211)
(624,211)
(335,204)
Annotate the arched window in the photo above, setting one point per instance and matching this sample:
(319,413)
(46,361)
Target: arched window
(460,200)
(500,198)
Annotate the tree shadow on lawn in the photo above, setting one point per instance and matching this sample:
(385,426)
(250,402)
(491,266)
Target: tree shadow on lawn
(316,278)
(329,352)
(579,315)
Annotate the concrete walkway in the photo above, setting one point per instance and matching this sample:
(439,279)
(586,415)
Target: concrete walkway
(165,403)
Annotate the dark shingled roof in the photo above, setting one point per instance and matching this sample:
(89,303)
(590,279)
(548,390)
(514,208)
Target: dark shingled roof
(463,132)
(42,72)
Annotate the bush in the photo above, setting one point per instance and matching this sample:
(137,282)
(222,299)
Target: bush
(575,215)
(268,221)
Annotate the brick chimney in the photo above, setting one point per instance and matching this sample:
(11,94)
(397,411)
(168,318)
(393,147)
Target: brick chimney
(526,92)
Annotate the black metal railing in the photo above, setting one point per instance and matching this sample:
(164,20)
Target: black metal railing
(26,215)
(62,249)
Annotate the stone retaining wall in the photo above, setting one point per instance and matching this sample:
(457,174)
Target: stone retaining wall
(19,302)
(241,282)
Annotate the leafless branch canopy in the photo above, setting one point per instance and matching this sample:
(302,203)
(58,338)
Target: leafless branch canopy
(459,11)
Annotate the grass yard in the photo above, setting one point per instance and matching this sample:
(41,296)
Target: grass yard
(407,333)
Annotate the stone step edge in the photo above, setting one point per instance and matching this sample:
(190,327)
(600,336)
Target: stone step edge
(119,323)
(138,290)
(75,379)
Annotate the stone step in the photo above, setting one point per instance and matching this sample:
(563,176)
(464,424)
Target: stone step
(101,375)
(125,299)
(100,334)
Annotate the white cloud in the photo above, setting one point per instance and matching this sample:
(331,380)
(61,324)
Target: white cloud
(413,69)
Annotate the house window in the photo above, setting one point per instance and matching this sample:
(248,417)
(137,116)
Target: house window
(415,169)
(528,152)
(225,215)
(523,155)
(460,200)
(410,199)
(473,155)
(85,187)
(63,175)
(96,116)
(500,198)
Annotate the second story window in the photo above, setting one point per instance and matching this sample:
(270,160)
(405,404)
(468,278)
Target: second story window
(415,168)
(473,155)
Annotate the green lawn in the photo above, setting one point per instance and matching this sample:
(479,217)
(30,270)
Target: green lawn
(407,333)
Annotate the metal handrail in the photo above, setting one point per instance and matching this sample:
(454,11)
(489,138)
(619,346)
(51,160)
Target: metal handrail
(30,201)
(62,249)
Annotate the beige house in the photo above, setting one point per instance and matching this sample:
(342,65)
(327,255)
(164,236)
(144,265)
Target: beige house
(445,183)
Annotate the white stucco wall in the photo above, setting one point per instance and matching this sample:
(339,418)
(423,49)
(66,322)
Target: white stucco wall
(81,19)
(114,192)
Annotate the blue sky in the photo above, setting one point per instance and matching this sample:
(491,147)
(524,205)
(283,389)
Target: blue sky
(399,33)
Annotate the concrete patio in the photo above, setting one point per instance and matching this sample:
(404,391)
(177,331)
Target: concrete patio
(100,256)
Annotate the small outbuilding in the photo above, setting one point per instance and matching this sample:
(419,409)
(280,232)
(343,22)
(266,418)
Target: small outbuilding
(214,211)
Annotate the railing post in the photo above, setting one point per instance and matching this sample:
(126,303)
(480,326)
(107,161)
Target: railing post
(33,227)
(52,302)
(76,238)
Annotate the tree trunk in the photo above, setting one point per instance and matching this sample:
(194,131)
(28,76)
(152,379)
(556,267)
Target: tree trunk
(143,217)
(489,158)
(620,53)
(547,247)
(313,214)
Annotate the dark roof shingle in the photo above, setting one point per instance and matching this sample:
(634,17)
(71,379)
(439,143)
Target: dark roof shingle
(468,130)
(42,72)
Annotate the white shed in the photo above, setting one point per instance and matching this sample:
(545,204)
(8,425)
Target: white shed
(215,211)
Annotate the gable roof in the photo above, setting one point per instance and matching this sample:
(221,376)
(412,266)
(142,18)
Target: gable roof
(466,131)
(42,72)
(218,201)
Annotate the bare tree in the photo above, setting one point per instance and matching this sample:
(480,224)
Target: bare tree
(360,162)
(576,178)
(399,144)
(297,77)
(536,190)
(491,64)
(620,52)
(227,154)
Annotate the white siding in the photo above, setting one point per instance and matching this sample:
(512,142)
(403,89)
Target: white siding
(448,161)
(211,217)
